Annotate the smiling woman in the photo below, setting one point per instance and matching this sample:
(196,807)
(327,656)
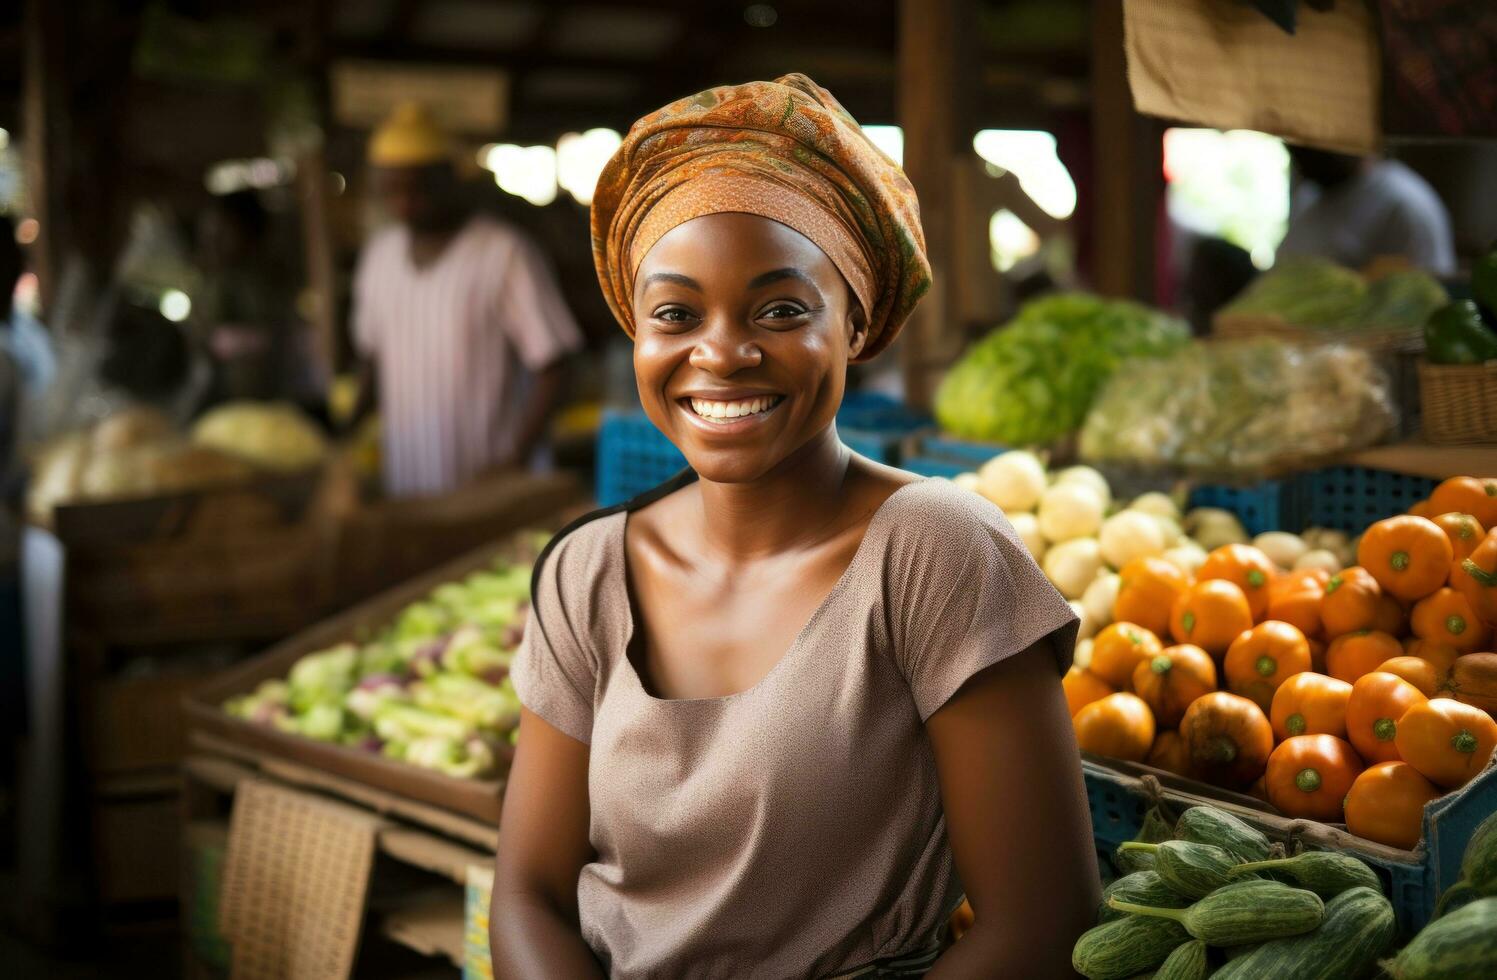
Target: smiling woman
(782,712)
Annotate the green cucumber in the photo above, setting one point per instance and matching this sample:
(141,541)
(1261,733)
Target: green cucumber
(1187,962)
(1124,947)
(1130,862)
(1244,912)
(1155,828)
(1460,946)
(1326,873)
(1358,928)
(1479,865)
(1193,870)
(1140,888)
(1208,825)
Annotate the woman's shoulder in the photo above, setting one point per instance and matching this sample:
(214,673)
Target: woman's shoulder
(583,550)
(936,508)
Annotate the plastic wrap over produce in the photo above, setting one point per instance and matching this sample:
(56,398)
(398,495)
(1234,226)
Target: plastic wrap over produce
(1240,407)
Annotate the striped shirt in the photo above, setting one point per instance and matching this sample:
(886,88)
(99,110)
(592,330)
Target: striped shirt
(455,342)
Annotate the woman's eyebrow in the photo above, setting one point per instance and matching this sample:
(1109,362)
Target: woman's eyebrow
(671,277)
(775,275)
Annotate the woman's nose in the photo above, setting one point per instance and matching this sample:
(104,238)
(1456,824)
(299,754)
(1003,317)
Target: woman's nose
(725,348)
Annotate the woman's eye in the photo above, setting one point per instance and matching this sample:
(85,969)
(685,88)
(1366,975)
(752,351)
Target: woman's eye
(673,314)
(783,311)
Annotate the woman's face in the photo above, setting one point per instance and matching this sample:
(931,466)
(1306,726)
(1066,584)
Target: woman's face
(743,332)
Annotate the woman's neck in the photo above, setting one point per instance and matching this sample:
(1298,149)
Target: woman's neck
(795,505)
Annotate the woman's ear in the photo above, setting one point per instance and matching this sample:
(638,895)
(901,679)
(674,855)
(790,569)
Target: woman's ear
(857,329)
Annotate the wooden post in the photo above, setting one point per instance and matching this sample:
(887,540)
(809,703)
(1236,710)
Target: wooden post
(41,103)
(1127,168)
(936,49)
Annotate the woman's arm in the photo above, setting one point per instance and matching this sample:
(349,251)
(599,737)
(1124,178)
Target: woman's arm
(543,844)
(1017,818)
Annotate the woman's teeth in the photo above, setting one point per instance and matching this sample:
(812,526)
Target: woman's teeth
(714,411)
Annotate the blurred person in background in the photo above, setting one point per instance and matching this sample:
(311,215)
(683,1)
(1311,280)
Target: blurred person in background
(1356,210)
(26,365)
(247,301)
(461,329)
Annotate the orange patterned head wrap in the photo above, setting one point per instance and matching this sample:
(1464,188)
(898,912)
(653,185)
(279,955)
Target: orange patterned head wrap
(786,150)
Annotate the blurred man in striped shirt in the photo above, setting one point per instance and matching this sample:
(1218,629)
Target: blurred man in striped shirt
(458,320)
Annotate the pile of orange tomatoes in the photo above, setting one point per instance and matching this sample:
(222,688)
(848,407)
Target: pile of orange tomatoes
(1352,697)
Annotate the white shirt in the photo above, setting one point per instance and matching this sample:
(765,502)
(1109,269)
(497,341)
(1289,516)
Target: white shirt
(454,342)
(1385,210)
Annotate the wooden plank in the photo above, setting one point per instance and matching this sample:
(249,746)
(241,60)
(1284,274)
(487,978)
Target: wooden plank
(433,927)
(431,853)
(1127,168)
(477,833)
(936,49)
(1424,459)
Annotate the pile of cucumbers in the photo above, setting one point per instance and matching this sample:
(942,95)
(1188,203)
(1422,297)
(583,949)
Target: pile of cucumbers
(1462,941)
(1213,900)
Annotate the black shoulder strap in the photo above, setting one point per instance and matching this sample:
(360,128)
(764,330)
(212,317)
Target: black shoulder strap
(681,479)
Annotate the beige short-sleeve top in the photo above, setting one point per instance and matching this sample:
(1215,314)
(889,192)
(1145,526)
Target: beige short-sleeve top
(793,829)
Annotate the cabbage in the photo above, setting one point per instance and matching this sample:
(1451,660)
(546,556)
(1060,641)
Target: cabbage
(271,434)
(1034,380)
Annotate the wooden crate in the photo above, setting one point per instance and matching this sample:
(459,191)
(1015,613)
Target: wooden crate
(249,562)
(478,798)
(386,543)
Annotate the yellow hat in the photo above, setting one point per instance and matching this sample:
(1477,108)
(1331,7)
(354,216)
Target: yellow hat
(409,137)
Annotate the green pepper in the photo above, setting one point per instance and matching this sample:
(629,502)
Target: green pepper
(1455,334)
(1484,281)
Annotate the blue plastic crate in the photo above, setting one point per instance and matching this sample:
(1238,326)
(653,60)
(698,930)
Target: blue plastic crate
(878,446)
(875,412)
(633,456)
(1263,506)
(965,451)
(926,466)
(1351,497)
(1412,880)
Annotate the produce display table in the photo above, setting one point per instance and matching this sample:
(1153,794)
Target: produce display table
(425,856)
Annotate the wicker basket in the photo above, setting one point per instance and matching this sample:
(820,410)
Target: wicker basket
(1459,402)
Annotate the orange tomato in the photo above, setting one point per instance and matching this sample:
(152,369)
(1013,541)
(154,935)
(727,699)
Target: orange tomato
(1441,656)
(1464,531)
(1409,556)
(1378,700)
(1169,754)
(1082,687)
(1147,589)
(1296,597)
(1475,577)
(1210,614)
(1467,495)
(1350,604)
(1445,616)
(1447,741)
(1310,704)
(1172,679)
(1119,726)
(1118,649)
(1262,658)
(1246,567)
(1355,654)
(1228,737)
(1418,672)
(1421,509)
(1386,804)
(1309,776)
(1391,617)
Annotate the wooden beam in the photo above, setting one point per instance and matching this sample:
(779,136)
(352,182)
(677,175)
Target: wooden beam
(936,47)
(1127,168)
